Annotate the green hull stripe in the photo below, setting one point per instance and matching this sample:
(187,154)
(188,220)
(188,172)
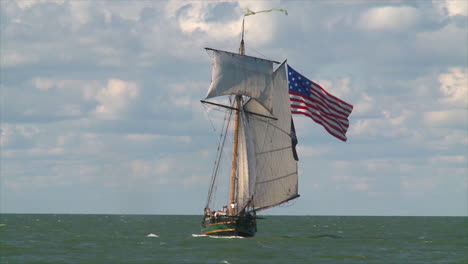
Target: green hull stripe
(220,230)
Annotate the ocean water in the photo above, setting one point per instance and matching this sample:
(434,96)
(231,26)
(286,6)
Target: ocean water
(280,239)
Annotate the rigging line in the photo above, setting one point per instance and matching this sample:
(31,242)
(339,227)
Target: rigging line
(273,150)
(233,108)
(218,158)
(278,178)
(273,205)
(259,53)
(205,108)
(237,54)
(226,123)
(275,126)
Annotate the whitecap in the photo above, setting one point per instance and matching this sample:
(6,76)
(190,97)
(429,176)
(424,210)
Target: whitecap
(152,235)
(226,237)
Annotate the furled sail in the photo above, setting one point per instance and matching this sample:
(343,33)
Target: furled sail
(241,75)
(276,176)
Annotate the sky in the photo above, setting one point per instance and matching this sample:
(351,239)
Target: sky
(100,110)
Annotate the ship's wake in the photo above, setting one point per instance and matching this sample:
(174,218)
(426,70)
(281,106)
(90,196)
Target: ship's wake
(222,237)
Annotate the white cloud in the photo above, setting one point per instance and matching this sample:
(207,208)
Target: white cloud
(305,151)
(457,159)
(446,43)
(114,98)
(448,139)
(454,87)
(30,3)
(141,169)
(360,187)
(417,186)
(11,133)
(339,88)
(11,58)
(389,18)
(453,7)
(43,83)
(147,138)
(80,12)
(375,165)
(194,16)
(365,105)
(107,68)
(446,118)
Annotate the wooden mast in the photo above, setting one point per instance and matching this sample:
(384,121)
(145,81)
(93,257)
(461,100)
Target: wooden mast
(232,190)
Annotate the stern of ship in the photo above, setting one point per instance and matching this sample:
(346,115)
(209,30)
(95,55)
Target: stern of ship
(223,225)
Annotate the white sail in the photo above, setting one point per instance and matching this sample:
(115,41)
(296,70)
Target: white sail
(276,168)
(241,75)
(246,165)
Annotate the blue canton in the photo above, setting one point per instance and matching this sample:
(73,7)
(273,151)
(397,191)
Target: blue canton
(298,83)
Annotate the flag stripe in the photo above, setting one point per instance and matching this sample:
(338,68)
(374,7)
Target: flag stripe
(294,97)
(300,103)
(334,133)
(338,101)
(331,122)
(323,103)
(310,99)
(330,102)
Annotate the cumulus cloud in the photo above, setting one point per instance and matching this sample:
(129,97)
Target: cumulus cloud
(17,135)
(417,186)
(447,118)
(115,98)
(198,17)
(30,3)
(109,93)
(458,159)
(454,87)
(453,7)
(389,18)
(360,187)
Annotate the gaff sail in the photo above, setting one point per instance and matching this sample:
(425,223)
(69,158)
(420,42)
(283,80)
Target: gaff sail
(272,175)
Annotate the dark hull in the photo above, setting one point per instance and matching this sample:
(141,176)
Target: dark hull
(244,226)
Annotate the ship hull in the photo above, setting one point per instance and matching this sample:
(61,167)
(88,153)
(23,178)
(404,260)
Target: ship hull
(244,226)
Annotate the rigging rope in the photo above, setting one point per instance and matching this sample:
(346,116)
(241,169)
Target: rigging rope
(219,153)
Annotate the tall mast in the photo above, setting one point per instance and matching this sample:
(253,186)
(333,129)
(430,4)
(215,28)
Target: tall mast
(232,190)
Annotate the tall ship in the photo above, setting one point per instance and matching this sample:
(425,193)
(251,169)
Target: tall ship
(264,164)
(264,161)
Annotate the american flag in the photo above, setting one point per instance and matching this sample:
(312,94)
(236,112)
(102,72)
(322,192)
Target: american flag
(310,99)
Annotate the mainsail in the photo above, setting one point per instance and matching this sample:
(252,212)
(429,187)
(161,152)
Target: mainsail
(275,175)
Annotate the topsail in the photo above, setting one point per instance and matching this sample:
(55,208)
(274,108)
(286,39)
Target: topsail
(241,75)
